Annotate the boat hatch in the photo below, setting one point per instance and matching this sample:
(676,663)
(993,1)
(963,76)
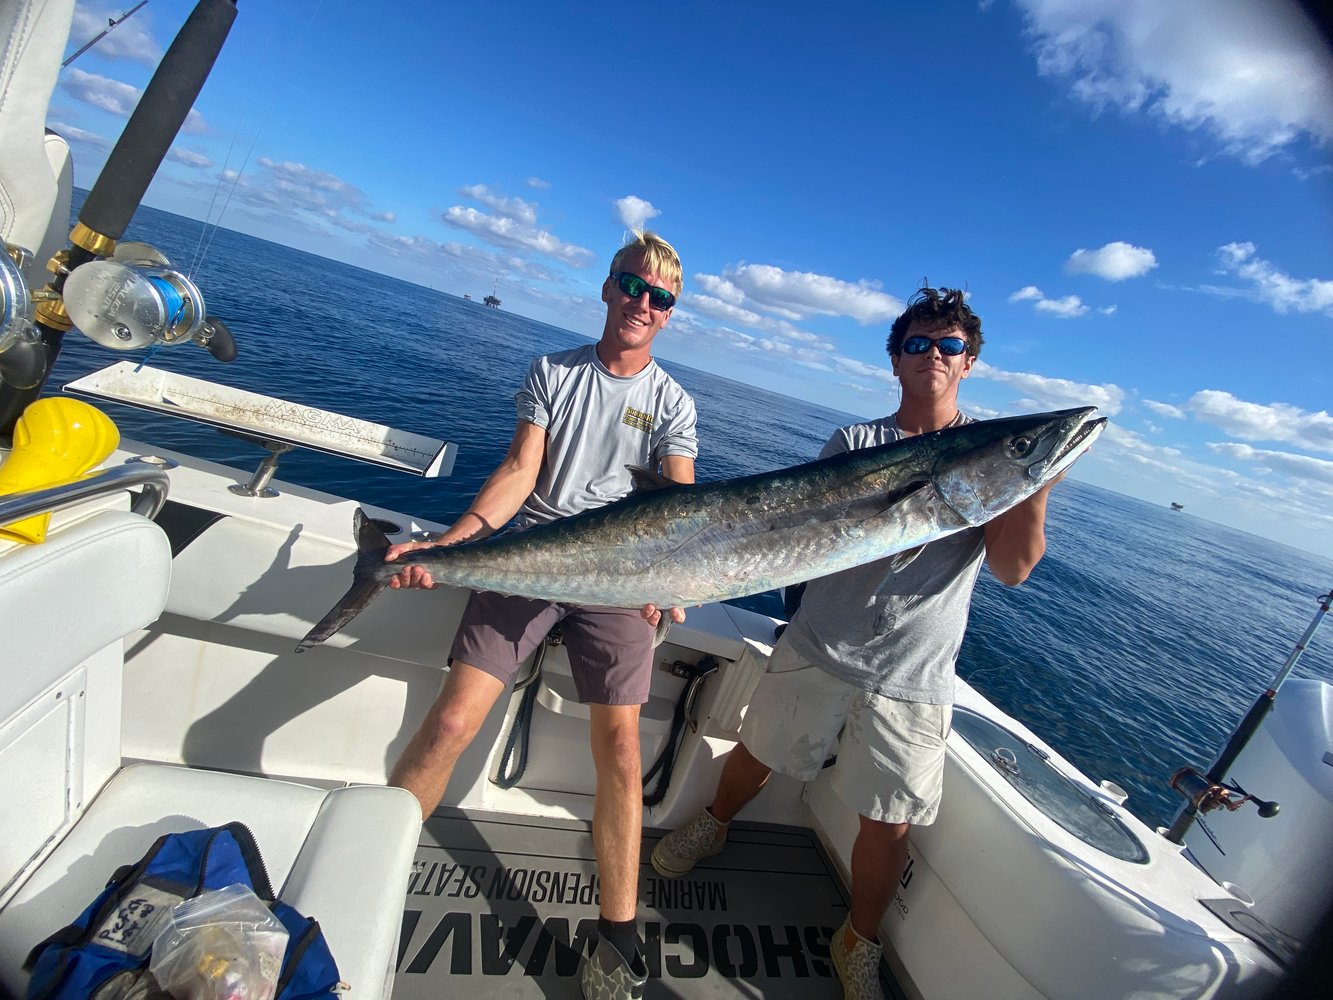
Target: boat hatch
(1029,771)
(509,904)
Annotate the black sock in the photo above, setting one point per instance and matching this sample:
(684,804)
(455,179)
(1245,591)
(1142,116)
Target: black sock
(624,934)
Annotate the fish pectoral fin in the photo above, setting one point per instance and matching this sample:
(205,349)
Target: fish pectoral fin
(899,561)
(647,479)
(895,497)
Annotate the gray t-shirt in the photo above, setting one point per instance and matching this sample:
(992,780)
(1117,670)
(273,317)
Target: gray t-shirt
(597,424)
(894,634)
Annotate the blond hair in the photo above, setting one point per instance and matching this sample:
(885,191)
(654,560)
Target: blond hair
(658,256)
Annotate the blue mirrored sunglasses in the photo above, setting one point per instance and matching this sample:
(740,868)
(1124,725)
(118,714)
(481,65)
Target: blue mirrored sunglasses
(949,346)
(634,286)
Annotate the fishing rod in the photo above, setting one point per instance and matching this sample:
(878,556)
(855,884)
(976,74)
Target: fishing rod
(1206,792)
(123,297)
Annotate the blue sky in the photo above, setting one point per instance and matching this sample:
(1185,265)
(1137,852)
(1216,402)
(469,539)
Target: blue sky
(1138,196)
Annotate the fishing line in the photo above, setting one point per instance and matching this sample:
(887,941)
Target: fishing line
(201,254)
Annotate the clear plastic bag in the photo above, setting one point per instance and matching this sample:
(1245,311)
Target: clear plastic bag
(220,945)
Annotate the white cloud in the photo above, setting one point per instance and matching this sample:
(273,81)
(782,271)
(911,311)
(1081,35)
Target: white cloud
(539,184)
(116,98)
(1114,261)
(189,158)
(507,232)
(635,211)
(1315,470)
(130,39)
(101,92)
(1274,287)
(1165,409)
(798,295)
(1065,308)
(1055,393)
(74,134)
(1253,75)
(510,208)
(1258,422)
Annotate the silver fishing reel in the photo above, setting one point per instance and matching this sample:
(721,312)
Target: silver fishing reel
(15,303)
(135,299)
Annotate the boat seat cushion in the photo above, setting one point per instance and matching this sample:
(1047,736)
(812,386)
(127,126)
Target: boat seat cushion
(341,856)
(90,584)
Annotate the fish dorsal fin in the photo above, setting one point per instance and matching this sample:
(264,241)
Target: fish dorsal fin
(647,479)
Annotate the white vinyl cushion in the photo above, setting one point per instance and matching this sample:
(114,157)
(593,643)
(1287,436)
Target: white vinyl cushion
(342,856)
(88,585)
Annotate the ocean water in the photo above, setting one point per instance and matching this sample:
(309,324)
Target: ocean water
(1135,646)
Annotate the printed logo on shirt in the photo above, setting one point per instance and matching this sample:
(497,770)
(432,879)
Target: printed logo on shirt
(637,418)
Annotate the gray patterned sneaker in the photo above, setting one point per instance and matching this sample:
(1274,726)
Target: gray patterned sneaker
(607,976)
(858,969)
(680,850)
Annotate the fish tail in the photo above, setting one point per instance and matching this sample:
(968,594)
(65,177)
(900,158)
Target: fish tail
(371,544)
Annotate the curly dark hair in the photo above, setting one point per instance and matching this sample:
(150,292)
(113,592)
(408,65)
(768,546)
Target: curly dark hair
(937,309)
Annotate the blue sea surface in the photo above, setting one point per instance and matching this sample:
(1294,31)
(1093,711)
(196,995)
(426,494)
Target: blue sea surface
(1137,643)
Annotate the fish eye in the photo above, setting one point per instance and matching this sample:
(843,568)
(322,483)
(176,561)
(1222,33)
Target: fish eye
(1021,446)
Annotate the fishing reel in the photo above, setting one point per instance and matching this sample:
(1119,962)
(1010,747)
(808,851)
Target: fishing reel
(1205,795)
(135,299)
(15,302)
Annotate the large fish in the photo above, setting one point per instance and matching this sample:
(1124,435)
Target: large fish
(678,545)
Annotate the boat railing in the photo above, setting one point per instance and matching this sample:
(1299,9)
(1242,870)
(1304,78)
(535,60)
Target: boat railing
(152,479)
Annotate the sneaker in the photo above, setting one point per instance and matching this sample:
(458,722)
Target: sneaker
(607,976)
(680,850)
(858,969)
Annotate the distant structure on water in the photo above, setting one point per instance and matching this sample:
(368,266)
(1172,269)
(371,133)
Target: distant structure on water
(1177,506)
(467,296)
(491,300)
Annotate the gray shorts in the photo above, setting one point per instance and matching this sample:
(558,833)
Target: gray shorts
(890,763)
(610,649)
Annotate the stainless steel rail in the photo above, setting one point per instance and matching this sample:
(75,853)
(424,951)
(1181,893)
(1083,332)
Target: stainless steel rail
(154,481)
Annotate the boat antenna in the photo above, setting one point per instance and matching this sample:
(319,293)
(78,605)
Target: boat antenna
(111,23)
(1205,792)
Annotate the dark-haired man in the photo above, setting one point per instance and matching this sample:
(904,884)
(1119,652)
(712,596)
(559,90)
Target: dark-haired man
(584,417)
(874,650)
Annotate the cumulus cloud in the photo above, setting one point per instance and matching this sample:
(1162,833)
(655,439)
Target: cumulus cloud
(130,39)
(539,184)
(510,208)
(101,92)
(1274,287)
(1045,393)
(1064,308)
(798,295)
(1253,75)
(116,98)
(73,134)
(507,232)
(1114,261)
(189,158)
(295,190)
(1304,467)
(1165,409)
(635,211)
(1263,422)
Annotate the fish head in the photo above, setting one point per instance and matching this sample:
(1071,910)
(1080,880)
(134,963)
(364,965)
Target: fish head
(985,467)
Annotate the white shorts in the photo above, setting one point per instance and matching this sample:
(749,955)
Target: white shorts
(890,763)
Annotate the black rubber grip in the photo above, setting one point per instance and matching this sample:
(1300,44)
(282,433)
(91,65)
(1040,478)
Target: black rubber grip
(157,118)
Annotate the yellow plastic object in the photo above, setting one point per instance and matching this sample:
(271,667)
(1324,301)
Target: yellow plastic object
(56,441)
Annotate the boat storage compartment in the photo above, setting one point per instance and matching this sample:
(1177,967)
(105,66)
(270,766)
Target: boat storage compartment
(1030,773)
